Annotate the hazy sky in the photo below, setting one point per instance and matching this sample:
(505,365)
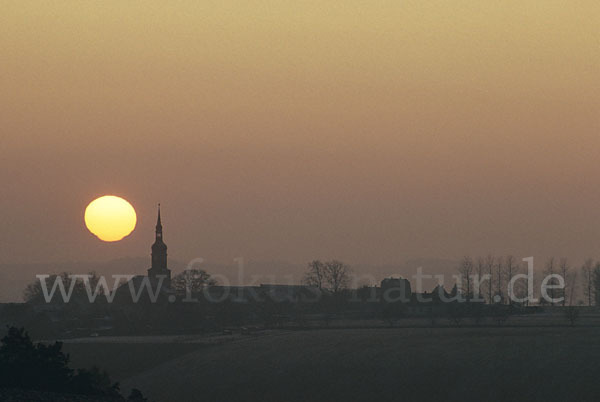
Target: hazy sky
(362,130)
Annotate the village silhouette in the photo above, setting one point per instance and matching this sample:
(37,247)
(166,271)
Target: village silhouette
(63,305)
(85,308)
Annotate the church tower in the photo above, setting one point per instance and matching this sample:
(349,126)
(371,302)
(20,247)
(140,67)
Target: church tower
(159,255)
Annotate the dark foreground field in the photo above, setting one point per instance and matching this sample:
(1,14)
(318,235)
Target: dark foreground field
(487,364)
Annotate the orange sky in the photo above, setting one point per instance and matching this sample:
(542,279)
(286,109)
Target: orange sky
(370,131)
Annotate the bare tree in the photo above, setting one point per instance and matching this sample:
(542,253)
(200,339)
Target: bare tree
(596,283)
(33,293)
(510,269)
(587,272)
(521,287)
(550,270)
(315,276)
(499,274)
(480,272)
(489,263)
(192,280)
(465,269)
(336,275)
(564,272)
(571,288)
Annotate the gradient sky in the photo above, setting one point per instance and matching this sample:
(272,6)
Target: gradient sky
(369,131)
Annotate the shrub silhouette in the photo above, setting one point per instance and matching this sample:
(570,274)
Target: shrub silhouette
(93,382)
(25,365)
(136,396)
(28,366)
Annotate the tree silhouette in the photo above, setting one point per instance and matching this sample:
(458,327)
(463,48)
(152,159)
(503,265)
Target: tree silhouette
(28,366)
(315,276)
(33,293)
(192,280)
(332,275)
(136,396)
(44,367)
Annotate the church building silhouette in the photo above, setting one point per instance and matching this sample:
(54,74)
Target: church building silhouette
(159,255)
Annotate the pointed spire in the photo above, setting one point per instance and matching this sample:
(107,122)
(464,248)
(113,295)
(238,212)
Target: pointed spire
(158,224)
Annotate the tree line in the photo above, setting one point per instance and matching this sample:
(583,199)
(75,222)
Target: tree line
(581,285)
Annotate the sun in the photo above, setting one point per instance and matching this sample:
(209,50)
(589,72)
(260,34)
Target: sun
(110,218)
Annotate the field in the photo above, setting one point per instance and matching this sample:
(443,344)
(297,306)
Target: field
(418,364)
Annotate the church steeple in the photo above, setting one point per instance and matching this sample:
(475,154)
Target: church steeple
(159,254)
(158,225)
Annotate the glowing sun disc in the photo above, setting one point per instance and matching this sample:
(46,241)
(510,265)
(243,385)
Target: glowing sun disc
(110,218)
